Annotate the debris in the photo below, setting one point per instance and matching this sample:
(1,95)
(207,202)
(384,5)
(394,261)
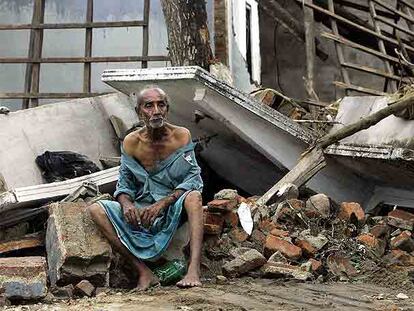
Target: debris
(341,266)
(223,205)
(23,277)
(213,223)
(351,211)
(380,231)
(279,269)
(238,235)
(318,242)
(76,249)
(245,217)
(287,249)
(245,262)
(221,279)
(318,205)
(27,242)
(307,249)
(401,219)
(316,265)
(65,292)
(374,244)
(402,296)
(84,288)
(400,257)
(226,194)
(403,242)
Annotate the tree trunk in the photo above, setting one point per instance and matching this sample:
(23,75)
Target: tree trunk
(188,36)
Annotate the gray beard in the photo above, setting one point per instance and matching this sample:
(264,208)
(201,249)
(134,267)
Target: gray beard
(156,124)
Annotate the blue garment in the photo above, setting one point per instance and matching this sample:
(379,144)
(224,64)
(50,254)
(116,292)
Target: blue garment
(178,171)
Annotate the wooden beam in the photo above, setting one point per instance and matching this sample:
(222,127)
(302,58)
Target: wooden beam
(39,14)
(145,32)
(381,45)
(407,4)
(376,72)
(362,7)
(26,242)
(360,89)
(310,52)
(95,59)
(392,9)
(8,95)
(359,47)
(88,49)
(357,26)
(135,23)
(394,25)
(338,47)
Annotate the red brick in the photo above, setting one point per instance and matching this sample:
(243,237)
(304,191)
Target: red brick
(267,225)
(347,209)
(380,231)
(401,219)
(287,249)
(403,241)
(231,219)
(307,249)
(316,265)
(213,223)
(238,235)
(401,257)
(371,242)
(280,233)
(222,205)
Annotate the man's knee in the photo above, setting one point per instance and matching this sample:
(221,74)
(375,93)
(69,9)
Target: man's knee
(95,210)
(193,200)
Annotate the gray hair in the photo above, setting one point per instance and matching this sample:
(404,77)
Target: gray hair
(140,96)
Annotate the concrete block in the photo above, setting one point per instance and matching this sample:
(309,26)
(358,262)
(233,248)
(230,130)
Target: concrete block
(280,269)
(245,262)
(23,277)
(318,205)
(76,249)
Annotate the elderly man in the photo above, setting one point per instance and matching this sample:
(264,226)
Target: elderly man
(159,186)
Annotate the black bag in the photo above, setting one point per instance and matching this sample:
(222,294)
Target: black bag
(63,165)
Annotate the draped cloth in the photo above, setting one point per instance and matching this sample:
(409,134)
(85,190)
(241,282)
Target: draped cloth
(178,171)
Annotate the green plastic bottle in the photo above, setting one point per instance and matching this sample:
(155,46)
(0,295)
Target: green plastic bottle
(171,272)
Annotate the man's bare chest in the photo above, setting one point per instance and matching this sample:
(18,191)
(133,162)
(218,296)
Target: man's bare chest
(149,156)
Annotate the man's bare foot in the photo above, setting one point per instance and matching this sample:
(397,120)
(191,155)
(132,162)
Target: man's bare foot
(192,279)
(146,280)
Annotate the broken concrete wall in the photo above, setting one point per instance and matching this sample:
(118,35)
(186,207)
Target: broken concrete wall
(76,249)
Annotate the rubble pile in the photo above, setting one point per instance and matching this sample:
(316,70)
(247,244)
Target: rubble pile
(312,239)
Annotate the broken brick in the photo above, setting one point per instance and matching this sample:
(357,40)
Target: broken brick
(380,231)
(401,219)
(84,288)
(222,205)
(350,210)
(404,241)
(400,257)
(287,249)
(23,277)
(238,235)
(249,260)
(279,269)
(316,265)
(213,223)
(307,249)
(267,225)
(75,247)
(231,219)
(371,242)
(280,233)
(318,205)
(339,265)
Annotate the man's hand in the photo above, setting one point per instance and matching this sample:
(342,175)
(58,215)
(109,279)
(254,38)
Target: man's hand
(150,213)
(131,214)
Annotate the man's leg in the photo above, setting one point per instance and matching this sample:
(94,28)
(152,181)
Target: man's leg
(194,209)
(145,277)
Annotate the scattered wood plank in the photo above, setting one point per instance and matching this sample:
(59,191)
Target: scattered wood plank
(26,242)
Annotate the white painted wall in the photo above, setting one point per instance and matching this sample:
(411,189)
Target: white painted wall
(237,41)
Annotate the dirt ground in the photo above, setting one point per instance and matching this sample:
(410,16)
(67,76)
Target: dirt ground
(244,294)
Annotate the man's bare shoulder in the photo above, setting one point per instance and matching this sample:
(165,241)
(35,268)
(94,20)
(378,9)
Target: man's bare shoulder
(131,142)
(181,134)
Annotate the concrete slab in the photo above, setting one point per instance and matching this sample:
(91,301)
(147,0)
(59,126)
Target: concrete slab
(76,250)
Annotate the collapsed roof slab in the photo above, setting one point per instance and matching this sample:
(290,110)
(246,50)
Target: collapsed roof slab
(243,131)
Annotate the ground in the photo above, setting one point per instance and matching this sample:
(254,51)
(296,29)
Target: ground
(245,294)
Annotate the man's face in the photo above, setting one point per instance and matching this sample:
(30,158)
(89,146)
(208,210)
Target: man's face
(153,109)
